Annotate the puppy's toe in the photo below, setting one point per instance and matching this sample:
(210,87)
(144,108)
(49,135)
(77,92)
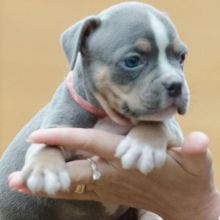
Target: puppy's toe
(159,157)
(123,147)
(145,162)
(130,159)
(51,182)
(65,180)
(35,183)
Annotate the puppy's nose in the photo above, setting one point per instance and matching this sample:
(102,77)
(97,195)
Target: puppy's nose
(174,89)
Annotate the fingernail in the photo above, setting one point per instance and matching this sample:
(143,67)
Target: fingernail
(15,181)
(31,138)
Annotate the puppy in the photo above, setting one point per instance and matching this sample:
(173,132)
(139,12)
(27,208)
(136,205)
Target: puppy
(126,76)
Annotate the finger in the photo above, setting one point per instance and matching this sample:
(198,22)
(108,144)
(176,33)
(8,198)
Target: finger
(81,171)
(194,155)
(196,144)
(94,141)
(15,181)
(87,195)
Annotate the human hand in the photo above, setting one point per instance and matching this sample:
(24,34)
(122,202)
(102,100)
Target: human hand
(182,189)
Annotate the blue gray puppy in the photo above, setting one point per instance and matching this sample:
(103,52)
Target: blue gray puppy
(128,61)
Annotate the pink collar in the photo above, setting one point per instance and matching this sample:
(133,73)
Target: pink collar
(82,102)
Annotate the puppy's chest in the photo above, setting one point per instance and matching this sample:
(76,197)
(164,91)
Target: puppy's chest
(108,125)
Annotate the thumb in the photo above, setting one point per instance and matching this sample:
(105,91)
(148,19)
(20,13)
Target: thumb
(194,156)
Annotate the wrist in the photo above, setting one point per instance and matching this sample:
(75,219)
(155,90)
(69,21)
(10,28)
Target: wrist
(211,210)
(205,208)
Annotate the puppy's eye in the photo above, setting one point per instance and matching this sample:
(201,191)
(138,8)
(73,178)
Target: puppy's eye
(132,62)
(182,58)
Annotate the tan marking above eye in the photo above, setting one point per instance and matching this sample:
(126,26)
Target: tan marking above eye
(143,45)
(176,47)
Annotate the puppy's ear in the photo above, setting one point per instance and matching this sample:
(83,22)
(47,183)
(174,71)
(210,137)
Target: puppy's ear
(74,38)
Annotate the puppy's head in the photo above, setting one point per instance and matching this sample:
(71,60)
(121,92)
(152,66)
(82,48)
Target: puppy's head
(133,61)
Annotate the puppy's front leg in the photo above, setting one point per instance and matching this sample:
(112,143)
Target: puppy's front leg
(45,169)
(144,148)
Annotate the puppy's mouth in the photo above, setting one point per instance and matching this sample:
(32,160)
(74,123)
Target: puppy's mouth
(172,108)
(152,114)
(134,117)
(126,115)
(164,113)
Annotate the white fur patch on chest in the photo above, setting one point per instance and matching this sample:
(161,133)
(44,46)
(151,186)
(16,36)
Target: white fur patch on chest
(107,124)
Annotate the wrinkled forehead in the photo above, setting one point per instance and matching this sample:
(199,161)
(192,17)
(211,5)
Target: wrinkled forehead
(129,26)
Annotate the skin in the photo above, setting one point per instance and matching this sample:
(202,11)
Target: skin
(182,189)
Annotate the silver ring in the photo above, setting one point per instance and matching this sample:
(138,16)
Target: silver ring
(96,174)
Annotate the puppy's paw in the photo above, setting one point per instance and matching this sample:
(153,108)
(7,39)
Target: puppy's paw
(140,155)
(47,172)
(49,181)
